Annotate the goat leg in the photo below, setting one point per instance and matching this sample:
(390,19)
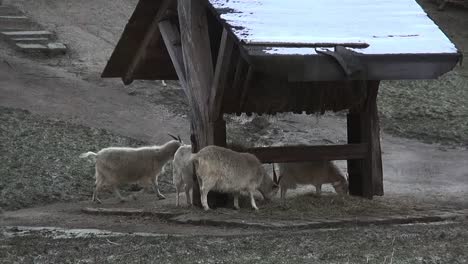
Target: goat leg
(252,201)
(236,201)
(187,195)
(117,193)
(204,198)
(95,195)
(318,189)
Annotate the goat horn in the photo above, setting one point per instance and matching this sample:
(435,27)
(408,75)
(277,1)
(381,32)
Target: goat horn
(172,136)
(178,137)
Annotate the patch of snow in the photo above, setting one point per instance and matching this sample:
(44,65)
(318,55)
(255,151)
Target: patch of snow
(388,26)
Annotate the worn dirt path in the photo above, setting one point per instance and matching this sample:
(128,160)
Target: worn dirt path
(70,89)
(57,93)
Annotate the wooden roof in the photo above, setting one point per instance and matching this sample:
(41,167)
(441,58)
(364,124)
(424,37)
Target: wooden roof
(155,63)
(395,39)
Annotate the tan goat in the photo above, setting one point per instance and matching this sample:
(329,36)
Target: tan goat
(120,165)
(313,172)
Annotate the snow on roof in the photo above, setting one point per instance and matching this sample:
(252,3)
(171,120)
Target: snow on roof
(388,26)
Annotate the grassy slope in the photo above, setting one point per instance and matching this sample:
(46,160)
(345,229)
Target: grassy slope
(39,158)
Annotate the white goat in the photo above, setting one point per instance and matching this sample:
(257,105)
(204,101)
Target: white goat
(225,170)
(312,172)
(115,166)
(182,172)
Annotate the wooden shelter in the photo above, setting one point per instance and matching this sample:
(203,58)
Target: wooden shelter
(272,56)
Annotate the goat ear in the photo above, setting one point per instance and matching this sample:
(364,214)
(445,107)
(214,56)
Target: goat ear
(172,136)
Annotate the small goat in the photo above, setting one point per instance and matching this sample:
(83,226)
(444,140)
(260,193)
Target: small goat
(225,170)
(313,172)
(182,172)
(115,166)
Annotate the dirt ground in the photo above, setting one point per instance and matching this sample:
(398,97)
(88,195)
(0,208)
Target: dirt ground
(53,109)
(391,244)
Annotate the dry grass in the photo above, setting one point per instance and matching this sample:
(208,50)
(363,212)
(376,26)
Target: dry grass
(330,206)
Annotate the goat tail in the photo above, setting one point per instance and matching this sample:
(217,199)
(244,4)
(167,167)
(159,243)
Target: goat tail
(87,154)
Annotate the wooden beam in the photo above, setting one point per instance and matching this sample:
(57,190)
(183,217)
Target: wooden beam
(371,129)
(366,176)
(171,36)
(151,35)
(245,88)
(316,67)
(221,73)
(354,166)
(309,153)
(197,57)
(197,61)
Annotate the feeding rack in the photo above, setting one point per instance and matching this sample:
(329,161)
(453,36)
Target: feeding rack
(273,56)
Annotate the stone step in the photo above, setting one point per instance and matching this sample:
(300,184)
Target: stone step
(31,40)
(49,48)
(31,47)
(9,11)
(27,34)
(16,22)
(10,17)
(57,48)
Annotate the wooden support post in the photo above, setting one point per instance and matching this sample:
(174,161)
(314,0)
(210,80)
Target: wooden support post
(354,166)
(365,176)
(205,86)
(372,129)
(198,69)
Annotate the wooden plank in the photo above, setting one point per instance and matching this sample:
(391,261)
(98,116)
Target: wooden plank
(157,64)
(239,75)
(286,44)
(220,75)
(171,36)
(198,65)
(373,185)
(196,50)
(245,88)
(114,211)
(366,176)
(152,34)
(308,153)
(354,166)
(317,67)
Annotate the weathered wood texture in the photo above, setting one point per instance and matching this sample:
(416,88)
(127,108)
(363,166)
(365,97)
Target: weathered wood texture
(253,92)
(204,85)
(141,46)
(309,153)
(221,75)
(402,42)
(304,68)
(366,176)
(171,36)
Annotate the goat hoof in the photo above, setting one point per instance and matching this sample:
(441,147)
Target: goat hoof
(161,197)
